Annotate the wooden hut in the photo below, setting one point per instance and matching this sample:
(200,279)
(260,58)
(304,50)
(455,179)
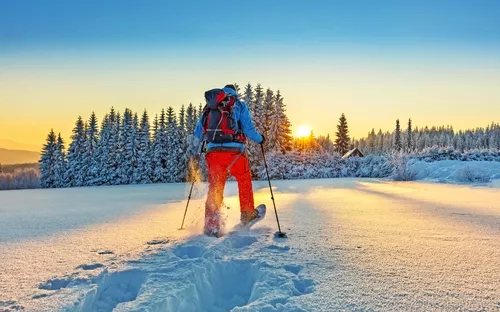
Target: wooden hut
(355,152)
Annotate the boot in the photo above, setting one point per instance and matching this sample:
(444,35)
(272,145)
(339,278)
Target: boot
(249,216)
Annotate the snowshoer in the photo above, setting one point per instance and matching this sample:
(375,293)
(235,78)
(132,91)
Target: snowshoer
(224,125)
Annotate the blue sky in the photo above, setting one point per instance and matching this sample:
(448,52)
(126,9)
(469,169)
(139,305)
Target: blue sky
(437,62)
(46,24)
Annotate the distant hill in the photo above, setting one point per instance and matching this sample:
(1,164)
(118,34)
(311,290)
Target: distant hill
(10,157)
(13,145)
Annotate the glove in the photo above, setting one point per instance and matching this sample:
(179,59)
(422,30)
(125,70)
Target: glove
(263,139)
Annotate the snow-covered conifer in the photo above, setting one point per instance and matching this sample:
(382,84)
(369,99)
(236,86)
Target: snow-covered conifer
(397,138)
(143,170)
(342,135)
(48,161)
(74,175)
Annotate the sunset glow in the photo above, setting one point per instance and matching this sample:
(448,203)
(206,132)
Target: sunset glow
(303,131)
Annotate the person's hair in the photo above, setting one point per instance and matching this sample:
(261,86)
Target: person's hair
(230,86)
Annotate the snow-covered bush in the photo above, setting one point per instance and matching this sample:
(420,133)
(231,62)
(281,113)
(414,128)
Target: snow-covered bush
(440,153)
(401,167)
(469,175)
(296,165)
(20,179)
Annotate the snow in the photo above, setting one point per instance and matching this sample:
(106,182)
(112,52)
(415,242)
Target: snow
(353,244)
(456,171)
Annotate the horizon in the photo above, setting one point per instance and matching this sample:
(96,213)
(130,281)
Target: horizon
(436,63)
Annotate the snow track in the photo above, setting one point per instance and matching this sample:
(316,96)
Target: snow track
(203,274)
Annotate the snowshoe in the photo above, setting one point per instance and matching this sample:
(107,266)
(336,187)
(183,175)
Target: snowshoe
(249,219)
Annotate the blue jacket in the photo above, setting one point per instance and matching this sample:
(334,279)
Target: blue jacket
(240,113)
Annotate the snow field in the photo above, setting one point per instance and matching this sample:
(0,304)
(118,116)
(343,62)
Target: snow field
(354,244)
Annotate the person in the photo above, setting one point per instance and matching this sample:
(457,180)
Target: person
(224,125)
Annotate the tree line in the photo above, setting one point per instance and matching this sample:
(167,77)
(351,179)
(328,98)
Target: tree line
(127,149)
(404,138)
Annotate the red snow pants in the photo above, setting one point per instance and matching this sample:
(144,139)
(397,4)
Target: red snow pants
(219,164)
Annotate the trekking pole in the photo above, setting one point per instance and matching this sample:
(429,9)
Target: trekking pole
(192,184)
(280,234)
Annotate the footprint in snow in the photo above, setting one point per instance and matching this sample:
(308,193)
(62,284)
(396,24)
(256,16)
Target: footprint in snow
(278,248)
(189,251)
(88,267)
(58,283)
(158,242)
(105,252)
(241,241)
(115,288)
(295,269)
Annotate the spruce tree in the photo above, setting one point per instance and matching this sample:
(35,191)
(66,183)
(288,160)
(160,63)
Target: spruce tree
(342,135)
(280,134)
(182,118)
(200,111)
(397,138)
(101,170)
(128,159)
(115,157)
(248,98)
(60,162)
(160,156)
(143,171)
(380,142)
(183,155)
(237,88)
(174,148)
(47,162)
(74,175)
(258,115)
(90,165)
(190,119)
(269,114)
(372,141)
(409,138)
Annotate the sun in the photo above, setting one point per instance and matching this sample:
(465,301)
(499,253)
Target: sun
(303,131)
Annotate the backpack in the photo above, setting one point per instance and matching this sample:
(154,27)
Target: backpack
(219,124)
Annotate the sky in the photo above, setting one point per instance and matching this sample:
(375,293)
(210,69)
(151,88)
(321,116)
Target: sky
(437,62)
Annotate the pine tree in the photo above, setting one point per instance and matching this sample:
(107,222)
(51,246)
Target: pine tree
(237,88)
(175,170)
(371,141)
(60,162)
(155,126)
(128,137)
(258,116)
(182,118)
(89,166)
(190,119)
(74,175)
(160,173)
(269,114)
(182,155)
(380,142)
(200,111)
(143,170)
(409,138)
(48,161)
(280,136)
(101,170)
(397,138)
(248,98)
(116,151)
(342,135)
